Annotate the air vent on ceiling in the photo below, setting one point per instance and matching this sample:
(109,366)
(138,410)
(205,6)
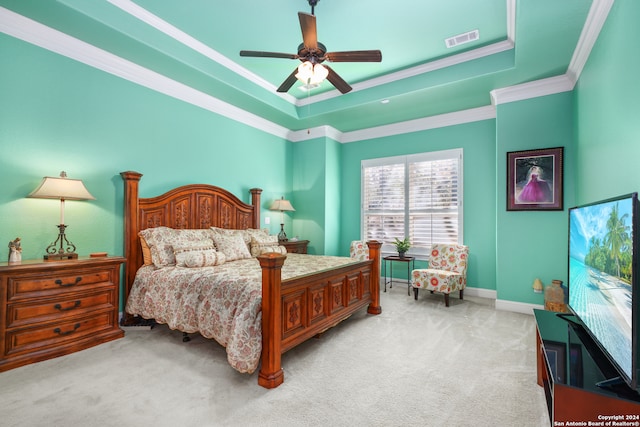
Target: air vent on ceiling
(462,38)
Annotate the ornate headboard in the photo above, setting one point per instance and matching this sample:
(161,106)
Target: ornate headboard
(189,206)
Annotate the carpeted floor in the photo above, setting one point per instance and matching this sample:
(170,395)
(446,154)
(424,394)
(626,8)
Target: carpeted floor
(416,364)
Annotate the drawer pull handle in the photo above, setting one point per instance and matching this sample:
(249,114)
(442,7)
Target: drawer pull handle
(59,282)
(59,307)
(59,331)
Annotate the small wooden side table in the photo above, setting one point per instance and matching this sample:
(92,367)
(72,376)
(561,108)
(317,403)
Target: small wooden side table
(395,258)
(296,246)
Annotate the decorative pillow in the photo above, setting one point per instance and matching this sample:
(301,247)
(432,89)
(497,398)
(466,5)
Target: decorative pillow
(246,234)
(198,256)
(258,234)
(162,240)
(232,245)
(146,251)
(264,244)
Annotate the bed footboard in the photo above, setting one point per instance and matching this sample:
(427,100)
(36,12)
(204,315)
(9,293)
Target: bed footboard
(297,309)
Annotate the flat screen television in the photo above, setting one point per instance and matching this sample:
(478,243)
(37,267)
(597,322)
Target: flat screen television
(603,279)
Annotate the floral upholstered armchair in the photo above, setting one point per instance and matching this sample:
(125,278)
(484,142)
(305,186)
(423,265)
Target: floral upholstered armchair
(359,250)
(447,271)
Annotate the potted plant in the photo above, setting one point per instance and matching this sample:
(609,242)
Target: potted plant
(402,246)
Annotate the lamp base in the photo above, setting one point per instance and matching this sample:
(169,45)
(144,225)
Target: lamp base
(282,236)
(58,257)
(54,254)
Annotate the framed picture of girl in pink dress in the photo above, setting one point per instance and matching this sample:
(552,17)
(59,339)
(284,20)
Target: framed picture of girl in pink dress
(534,180)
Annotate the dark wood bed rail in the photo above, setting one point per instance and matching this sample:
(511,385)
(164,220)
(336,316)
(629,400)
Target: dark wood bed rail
(292,310)
(297,309)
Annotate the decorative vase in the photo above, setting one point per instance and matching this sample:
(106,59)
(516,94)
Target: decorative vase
(401,254)
(555,297)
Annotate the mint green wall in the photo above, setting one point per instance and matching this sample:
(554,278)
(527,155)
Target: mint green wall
(316,194)
(478,143)
(57,114)
(532,244)
(607,101)
(333,183)
(309,174)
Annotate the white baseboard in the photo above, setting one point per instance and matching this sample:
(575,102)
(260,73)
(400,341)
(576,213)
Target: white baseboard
(480,293)
(518,307)
(503,305)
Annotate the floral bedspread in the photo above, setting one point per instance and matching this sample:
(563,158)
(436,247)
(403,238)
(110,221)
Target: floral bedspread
(222,302)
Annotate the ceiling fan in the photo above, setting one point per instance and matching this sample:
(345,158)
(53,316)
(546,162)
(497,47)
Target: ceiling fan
(312,53)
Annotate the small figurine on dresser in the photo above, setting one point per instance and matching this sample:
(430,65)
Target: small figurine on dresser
(15,251)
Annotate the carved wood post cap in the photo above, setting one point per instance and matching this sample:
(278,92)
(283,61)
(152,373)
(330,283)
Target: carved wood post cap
(271,260)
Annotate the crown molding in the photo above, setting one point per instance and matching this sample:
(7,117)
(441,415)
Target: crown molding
(425,123)
(156,22)
(417,125)
(549,86)
(596,18)
(45,37)
(180,36)
(414,71)
(53,40)
(430,66)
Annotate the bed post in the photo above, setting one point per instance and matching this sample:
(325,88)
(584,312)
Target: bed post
(255,201)
(131,227)
(271,374)
(374,254)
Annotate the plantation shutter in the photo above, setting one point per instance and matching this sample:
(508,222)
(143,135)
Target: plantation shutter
(384,202)
(419,196)
(433,202)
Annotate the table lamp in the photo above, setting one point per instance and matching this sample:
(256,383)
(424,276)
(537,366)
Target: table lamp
(61,188)
(282,205)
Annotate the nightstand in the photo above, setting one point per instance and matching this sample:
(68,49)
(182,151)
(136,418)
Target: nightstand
(296,247)
(55,308)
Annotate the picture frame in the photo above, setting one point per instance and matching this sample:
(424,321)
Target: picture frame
(535,180)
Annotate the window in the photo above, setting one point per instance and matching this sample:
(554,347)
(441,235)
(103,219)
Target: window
(419,196)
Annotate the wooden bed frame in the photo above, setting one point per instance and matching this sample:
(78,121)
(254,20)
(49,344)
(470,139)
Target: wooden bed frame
(293,310)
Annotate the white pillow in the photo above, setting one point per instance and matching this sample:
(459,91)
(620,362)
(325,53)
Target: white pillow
(263,244)
(198,256)
(232,245)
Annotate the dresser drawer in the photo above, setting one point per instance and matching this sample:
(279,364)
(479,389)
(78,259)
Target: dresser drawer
(28,285)
(25,313)
(57,334)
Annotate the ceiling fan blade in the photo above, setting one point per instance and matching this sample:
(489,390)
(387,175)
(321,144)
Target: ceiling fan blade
(354,56)
(257,53)
(337,81)
(309,31)
(286,85)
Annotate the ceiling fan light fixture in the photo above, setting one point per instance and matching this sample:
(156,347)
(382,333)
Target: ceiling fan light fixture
(310,74)
(307,87)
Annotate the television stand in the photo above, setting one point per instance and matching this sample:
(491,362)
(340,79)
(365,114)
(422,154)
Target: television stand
(570,366)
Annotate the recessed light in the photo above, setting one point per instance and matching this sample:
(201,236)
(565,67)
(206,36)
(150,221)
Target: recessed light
(384,101)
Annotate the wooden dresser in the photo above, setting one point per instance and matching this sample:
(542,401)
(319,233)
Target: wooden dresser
(296,247)
(53,308)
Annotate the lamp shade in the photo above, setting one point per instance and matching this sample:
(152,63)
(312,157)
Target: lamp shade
(281,205)
(61,188)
